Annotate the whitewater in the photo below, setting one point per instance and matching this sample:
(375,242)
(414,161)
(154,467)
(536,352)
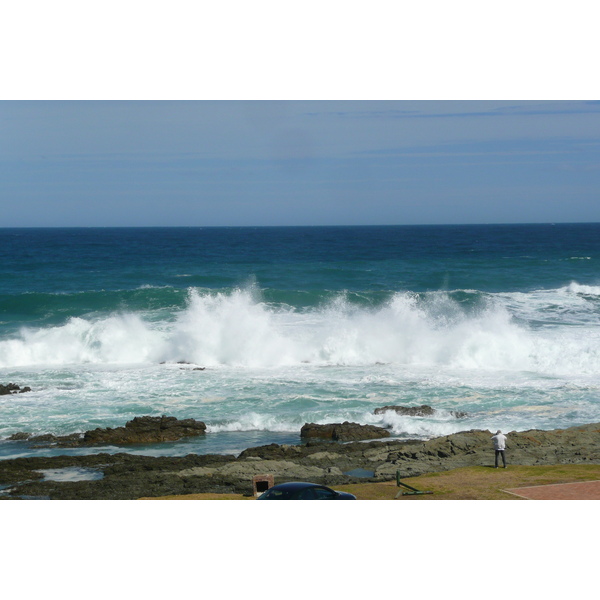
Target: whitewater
(272,343)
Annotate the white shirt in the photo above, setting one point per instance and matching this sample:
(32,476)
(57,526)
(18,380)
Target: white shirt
(499,441)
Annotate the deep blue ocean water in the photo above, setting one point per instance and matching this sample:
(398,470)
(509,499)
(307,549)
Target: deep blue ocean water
(298,324)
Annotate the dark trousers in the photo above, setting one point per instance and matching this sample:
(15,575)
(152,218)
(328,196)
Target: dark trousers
(503,458)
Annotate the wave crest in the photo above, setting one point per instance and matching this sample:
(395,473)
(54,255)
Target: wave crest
(239,329)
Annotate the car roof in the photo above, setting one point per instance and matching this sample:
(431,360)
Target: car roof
(296,485)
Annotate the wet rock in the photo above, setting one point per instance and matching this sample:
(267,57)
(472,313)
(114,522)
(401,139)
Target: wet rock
(411,411)
(273,452)
(416,411)
(140,430)
(19,437)
(146,430)
(126,476)
(345,431)
(72,439)
(13,388)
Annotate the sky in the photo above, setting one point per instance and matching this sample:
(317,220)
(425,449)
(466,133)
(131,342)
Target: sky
(323,162)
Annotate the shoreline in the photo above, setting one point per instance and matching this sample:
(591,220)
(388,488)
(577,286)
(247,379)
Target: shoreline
(128,476)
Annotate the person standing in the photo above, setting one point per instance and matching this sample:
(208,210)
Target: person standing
(500,447)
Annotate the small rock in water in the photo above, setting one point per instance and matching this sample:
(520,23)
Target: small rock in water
(13,388)
(416,411)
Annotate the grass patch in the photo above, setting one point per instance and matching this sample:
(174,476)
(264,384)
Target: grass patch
(477,483)
(467,483)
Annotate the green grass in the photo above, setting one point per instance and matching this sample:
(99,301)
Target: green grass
(468,483)
(477,483)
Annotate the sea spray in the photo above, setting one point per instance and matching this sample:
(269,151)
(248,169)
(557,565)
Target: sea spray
(119,338)
(228,329)
(238,329)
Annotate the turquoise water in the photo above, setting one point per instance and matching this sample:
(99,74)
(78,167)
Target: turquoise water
(294,325)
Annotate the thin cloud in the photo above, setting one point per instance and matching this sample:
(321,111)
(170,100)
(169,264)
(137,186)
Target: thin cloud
(537,109)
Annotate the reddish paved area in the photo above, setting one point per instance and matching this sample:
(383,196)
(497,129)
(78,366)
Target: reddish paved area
(581,490)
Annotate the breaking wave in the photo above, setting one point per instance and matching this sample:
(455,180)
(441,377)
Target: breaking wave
(462,329)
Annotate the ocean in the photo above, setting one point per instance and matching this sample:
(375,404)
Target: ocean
(258,330)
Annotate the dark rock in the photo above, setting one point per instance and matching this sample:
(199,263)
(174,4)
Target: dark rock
(270,452)
(411,411)
(46,437)
(19,437)
(10,388)
(126,476)
(71,440)
(146,430)
(416,411)
(13,388)
(140,430)
(343,431)
(469,448)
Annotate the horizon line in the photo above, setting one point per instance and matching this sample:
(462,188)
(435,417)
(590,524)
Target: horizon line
(484,224)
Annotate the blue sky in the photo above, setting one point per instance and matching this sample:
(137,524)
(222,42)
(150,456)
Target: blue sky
(215,163)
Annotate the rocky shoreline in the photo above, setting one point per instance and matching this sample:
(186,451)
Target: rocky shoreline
(140,430)
(126,476)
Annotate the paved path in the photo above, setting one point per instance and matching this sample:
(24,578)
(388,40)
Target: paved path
(581,490)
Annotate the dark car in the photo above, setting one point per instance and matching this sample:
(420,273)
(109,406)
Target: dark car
(300,490)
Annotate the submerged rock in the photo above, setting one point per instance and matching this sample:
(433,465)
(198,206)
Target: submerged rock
(416,411)
(343,432)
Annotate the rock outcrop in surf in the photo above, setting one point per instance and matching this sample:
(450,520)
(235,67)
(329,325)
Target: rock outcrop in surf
(343,432)
(13,388)
(140,430)
(417,411)
(146,430)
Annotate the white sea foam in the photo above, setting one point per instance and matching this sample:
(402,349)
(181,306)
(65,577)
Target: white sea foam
(115,339)
(574,304)
(420,427)
(253,421)
(239,330)
(576,288)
